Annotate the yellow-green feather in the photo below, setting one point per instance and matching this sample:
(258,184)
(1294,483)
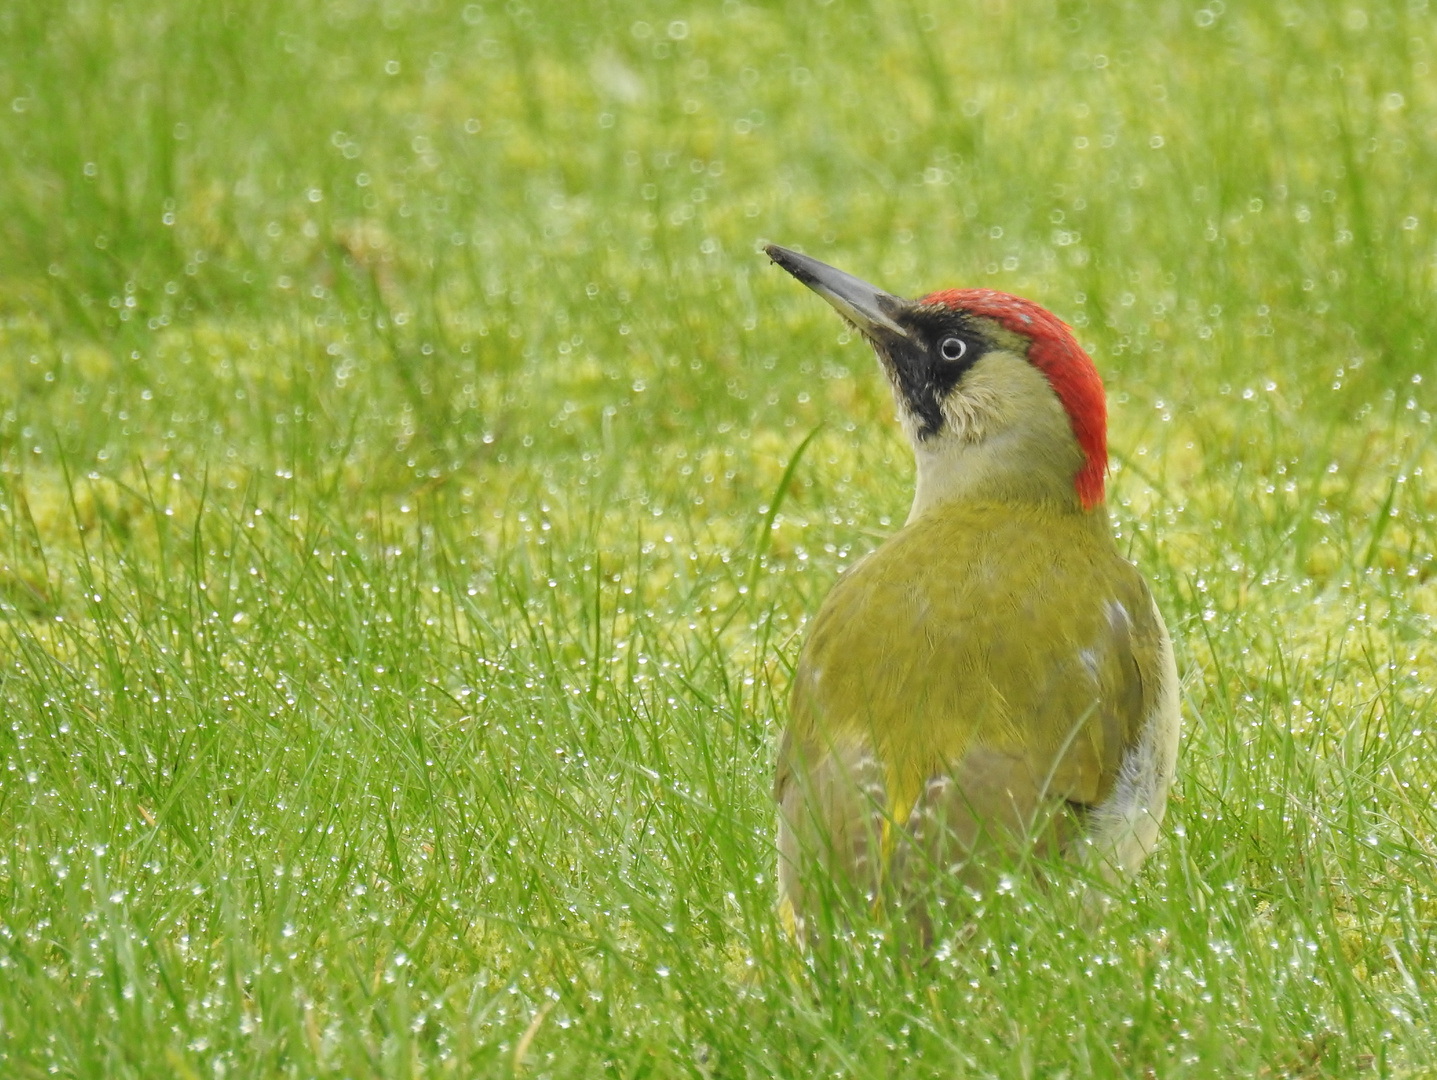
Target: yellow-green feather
(981,626)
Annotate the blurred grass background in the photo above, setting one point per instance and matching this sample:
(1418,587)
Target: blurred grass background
(398,614)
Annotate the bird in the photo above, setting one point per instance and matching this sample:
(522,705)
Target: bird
(993,683)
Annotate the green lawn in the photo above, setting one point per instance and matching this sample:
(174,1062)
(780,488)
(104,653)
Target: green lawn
(399,589)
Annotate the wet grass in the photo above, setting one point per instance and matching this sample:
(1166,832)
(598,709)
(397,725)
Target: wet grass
(397,607)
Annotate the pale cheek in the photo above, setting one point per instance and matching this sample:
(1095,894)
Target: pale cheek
(969,417)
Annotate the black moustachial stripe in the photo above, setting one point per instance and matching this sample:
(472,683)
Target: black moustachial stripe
(924,378)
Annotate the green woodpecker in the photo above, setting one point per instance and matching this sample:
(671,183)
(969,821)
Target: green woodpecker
(995,679)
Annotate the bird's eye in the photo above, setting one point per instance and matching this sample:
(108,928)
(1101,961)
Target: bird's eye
(953,348)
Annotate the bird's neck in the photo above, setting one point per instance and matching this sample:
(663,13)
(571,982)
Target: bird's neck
(1005,468)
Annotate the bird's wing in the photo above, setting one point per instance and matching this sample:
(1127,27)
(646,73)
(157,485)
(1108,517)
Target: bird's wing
(1014,663)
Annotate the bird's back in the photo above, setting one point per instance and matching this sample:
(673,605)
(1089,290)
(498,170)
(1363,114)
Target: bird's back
(982,665)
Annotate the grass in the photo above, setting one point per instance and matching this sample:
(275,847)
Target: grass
(401,574)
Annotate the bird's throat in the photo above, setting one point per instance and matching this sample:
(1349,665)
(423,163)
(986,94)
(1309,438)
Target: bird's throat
(1000,469)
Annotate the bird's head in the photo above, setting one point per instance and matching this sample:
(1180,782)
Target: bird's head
(996,396)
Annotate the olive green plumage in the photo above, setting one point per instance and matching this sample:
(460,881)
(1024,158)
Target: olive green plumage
(995,680)
(1002,647)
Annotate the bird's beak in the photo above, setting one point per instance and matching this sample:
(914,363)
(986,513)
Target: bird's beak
(871,310)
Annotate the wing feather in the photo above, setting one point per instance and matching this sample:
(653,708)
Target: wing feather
(1001,657)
